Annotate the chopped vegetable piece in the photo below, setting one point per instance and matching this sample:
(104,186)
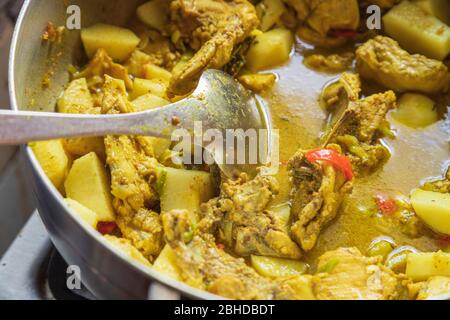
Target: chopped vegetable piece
(417,31)
(433,208)
(278,267)
(85,214)
(118,42)
(106,227)
(422,265)
(125,246)
(269,49)
(380,247)
(154,14)
(415,110)
(337,160)
(386,206)
(329,266)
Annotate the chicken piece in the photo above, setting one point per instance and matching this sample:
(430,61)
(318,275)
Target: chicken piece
(442,186)
(357,131)
(100,65)
(213,27)
(240,219)
(132,166)
(345,274)
(332,63)
(318,190)
(318,18)
(381,59)
(203,265)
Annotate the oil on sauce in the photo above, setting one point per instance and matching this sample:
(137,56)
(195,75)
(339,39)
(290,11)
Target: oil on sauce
(417,154)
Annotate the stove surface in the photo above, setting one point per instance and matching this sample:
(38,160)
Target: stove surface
(32,269)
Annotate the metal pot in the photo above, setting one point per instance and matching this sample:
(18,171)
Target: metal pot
(108,274)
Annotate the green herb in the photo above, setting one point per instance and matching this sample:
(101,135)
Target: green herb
(329,266)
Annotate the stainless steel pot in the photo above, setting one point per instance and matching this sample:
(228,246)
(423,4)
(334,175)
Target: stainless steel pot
(106,273)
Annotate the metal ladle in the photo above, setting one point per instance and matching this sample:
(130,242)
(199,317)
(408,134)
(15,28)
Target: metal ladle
(219,102)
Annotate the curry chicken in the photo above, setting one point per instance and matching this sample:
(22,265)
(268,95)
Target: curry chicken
(360,205)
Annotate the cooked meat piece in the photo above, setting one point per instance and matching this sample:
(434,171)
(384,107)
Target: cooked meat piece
(442,186)
(357,131)
(213,27)
(337,96)
(345,274)
(240,219)
(332,63)
(318,18)
(132,166)
(207,267)
(318,190)
(381,59)
(100,65)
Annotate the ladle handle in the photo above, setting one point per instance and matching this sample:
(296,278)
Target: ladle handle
(17,127)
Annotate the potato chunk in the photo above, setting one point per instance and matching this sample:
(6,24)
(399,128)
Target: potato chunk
(143,86)
(278,267)
(155,73)
(125,246)
(433,208)
(422,265)
(438,8)
(76,98)
(417,31)
(184,189)
(82,146)
(269,49)
(269,12)
(148,101)
(85,214)
(166,263)
(53,160)
(154,14)
(88,183)
(415,110)
(118,42)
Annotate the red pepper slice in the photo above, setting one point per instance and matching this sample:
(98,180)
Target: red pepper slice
(444,241)
(106,227)
(343,33)
(386,206)
(220,246)
(337,160)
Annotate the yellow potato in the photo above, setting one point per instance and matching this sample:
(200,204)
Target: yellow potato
(118,42)
(258,82)
(269,12)
(433,208)
(125,246)
(89,184)
(269,49)
(85,214)
(422,265)
(155,73)
(438,8)
(166,263)
(154,14)
(415,110)
(82,146)
(143,86)
(76,98)
(148,101)
(53,159)
(184,189)
(278,267)
(417,31)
